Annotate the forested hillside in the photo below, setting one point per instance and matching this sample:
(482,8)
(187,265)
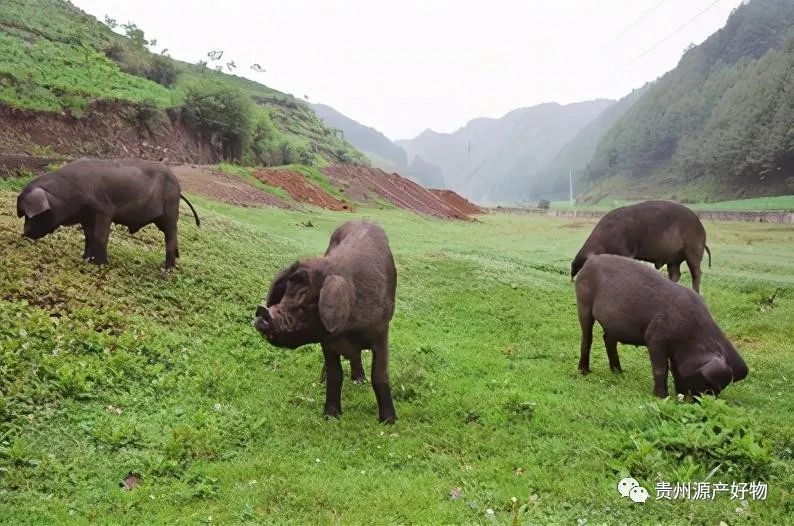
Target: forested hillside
(55,59)
(719,125)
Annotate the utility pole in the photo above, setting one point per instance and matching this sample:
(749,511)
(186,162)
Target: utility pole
(570,185)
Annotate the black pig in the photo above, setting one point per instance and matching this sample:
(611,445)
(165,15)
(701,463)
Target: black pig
(94,193)
(344,301)
(638,306)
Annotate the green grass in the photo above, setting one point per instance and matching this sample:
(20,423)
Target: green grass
(123,369)
(757,204)
(780,203)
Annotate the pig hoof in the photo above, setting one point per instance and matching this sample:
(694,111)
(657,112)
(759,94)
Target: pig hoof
(328,414)
(388,420)
(617,370)
(584,370)
(360,381)
(661,394)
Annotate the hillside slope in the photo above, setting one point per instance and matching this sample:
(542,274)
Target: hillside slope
(379,149)
(489,159)
(718,125)
(55,59)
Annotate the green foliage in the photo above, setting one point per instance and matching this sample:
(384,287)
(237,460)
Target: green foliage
(223,116)
(163,71)
(718,122)
(694,441)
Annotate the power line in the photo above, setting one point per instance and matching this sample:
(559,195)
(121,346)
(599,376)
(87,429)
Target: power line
(682,26)
(631,26)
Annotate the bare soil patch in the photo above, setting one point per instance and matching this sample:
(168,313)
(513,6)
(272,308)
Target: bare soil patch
(300,189)
(365,184)
(223,187)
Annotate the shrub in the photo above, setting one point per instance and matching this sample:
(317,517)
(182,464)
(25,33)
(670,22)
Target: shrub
(264,147)
(148,119)
(222,115)
(163,71)
(544,204)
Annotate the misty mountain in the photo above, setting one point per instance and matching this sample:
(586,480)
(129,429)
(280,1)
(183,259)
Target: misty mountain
(490,160)
(381,151)
(718,125)
(552,181)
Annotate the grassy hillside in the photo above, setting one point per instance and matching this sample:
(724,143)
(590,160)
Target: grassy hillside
(54,57)
(718,125)
(124,370)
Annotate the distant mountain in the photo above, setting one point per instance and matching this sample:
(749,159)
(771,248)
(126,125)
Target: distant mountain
(552,183)
(719,125)
(490,160)
(381,151)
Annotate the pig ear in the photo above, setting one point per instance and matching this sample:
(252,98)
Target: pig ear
(35,202)
(717,374)
(336,302)
(279,286)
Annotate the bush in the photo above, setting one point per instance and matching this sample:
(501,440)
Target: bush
(544,204)
(148,119)
(222,115)
(264,148)
(162,71)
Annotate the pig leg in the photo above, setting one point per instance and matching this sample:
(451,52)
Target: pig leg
(380,379)
(659,365)
(357,369)
(680,388)
(586,321)
(167,226)
(693,262)
(101,234)
(333,385)
(674,271)
(88,232)
(611,345)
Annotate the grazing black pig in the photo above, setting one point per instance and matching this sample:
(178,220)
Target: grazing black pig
(660,232)
(94,193)
(343,300)
(636,305)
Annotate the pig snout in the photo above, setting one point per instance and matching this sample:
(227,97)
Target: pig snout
(263,320)
(263,312)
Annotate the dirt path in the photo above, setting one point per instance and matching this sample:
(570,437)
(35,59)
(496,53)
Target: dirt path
(223,187)
(300,189)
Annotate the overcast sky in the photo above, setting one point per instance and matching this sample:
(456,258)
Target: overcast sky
(404,66)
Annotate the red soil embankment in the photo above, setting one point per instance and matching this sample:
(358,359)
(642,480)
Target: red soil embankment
(300,189)
(223,187)
(105,130)
(362,183)
(458,202)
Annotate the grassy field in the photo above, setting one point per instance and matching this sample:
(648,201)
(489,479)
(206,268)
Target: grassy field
(777,203)
(123,369)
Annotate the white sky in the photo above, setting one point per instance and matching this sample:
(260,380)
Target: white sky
(404,66)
